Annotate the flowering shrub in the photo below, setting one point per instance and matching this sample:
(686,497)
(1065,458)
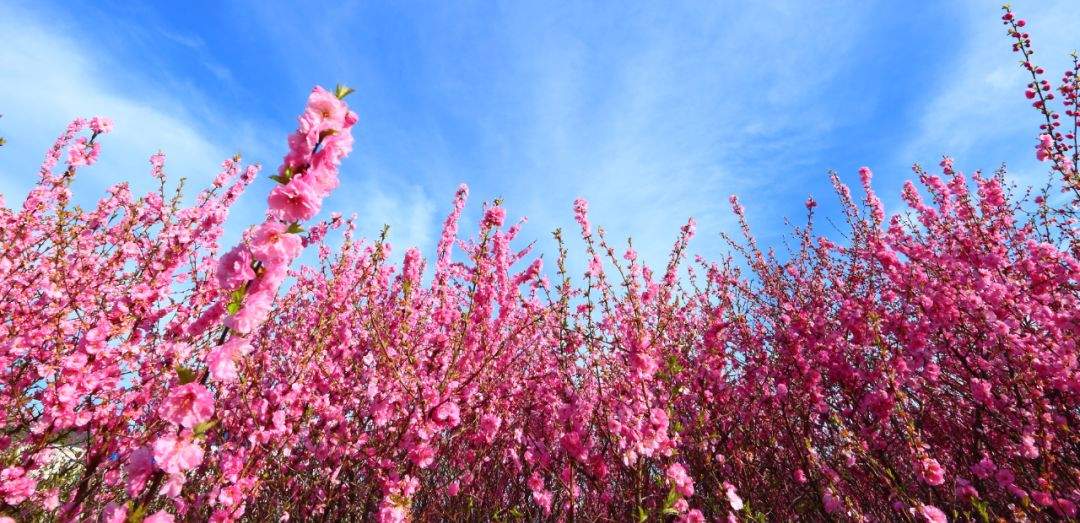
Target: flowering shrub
(923,369)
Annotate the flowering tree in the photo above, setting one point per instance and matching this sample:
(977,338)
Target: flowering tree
(924,368)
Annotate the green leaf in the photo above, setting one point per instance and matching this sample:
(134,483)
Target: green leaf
(672,498)
(185,374)
(674,366)
(204,427)
(341,91)
(284,177)
(236,299)
(136,515)
(980,507)
(294,228)
(642,516)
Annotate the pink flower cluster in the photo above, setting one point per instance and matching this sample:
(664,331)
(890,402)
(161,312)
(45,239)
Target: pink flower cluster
(1058,142)
(256,268)
(924,368)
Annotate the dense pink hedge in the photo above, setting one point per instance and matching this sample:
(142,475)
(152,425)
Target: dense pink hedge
(921,368)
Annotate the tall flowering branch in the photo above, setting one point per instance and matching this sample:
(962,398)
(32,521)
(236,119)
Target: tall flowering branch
(1054,144)
(255,269)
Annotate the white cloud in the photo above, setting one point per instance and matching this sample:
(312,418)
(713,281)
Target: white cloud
(48,79)
(653,118)
(977,112)
(653,113)
(50,76)
(408,210)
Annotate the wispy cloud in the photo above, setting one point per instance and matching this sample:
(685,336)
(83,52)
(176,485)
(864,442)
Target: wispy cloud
(48,79)
(656,114)
(977,112)
(51,76)
(655,111)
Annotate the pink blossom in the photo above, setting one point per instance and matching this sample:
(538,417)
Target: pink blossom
(733,498)
(101,124)
(270,279)
(682,481)
(177,456)
(157,165)
(694,516)
(596,269)
(1044,150)
(323,179)
(932,514)
(391,514)
(412,266)
(1065,508)
(273,245)
(174,484)
(234,268)
(494,217)
(1028,449)
(221,360)
(643,364)
(139,467)
(535,482)
(965,490)
(95,339)
(295,201)
(253,311)
(799,476)
(581,214)
(188,405)
(113,513)
(51,499)
(447,414)
(574,445)
(984,468)
(981,390)
(16,485)
(159,517)
(831,502)
(489,426)
(324,111)
(422,455)
(543,500)
(1004,477)
(83,152)
(932,472)
(334,147)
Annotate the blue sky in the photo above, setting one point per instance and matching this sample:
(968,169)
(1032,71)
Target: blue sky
(653,112)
